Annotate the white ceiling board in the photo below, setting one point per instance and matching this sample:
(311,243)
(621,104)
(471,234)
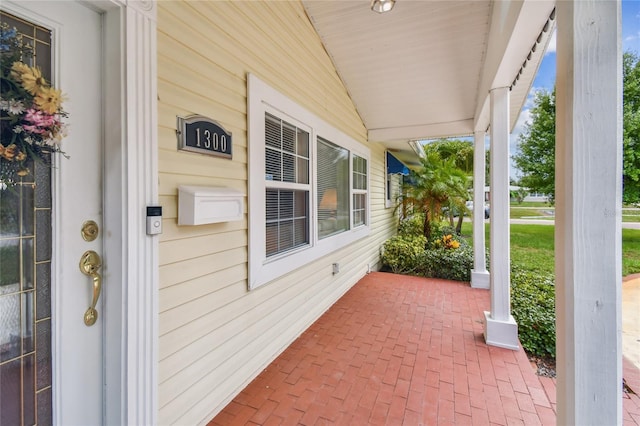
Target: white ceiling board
(416,72)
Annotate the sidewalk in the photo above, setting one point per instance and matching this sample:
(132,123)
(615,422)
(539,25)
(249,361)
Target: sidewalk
(625,225)
(631,318)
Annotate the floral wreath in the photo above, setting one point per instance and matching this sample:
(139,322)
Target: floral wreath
(30,111)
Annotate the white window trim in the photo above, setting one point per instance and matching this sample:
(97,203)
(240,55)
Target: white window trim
(263,98)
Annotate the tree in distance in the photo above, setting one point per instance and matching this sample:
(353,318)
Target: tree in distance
(536,155)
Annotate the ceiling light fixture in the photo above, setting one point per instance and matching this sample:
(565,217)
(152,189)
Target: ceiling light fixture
(382,6)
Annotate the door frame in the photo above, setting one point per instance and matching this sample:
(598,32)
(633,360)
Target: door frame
(130,184)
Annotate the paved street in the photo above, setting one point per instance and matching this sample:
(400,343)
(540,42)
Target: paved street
(625,225)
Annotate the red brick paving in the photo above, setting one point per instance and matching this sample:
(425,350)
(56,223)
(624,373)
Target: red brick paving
(399,350)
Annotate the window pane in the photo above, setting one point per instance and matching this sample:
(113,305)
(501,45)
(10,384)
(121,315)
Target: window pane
(286,152)
(272,238)
(303,143)
(303,170)
(285,206)
(285,237)
(359,173)
(288,137)
(272,205)
(359,209)
(332,189)
(288,168)
(272,131)
(301,235)
(272,165)
(301,203)
(287,224)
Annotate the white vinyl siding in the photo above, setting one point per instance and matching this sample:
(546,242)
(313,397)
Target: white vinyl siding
(215,335)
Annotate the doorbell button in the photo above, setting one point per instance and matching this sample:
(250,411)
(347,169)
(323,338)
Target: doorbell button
(154,220)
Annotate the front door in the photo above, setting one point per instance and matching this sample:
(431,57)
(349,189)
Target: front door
(51,368)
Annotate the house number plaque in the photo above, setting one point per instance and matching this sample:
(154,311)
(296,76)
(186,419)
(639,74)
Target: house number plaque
(203,135)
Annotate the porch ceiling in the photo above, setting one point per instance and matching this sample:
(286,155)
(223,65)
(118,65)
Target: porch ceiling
(424,69)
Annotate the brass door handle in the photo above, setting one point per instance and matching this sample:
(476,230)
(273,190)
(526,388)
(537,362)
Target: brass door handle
(89,264)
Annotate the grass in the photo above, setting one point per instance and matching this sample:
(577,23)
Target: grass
(530,204)
(519,213)
(630,251)
(532,247)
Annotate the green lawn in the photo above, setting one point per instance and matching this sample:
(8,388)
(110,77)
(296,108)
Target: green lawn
(529,204)
(532,247)
(531,213)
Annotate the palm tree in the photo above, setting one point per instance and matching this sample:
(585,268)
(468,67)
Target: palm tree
(458,205)
(437,184)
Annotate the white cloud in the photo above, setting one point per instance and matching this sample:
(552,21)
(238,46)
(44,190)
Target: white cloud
(631,42)
(631,38)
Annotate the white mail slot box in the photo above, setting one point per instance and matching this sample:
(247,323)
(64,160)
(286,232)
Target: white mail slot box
(199,205)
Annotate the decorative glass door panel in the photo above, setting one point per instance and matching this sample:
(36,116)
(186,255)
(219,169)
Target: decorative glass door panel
(25,274)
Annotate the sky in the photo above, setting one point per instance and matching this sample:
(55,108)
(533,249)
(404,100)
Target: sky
(546,76)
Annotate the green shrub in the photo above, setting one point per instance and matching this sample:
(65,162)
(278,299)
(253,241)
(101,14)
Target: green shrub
(412,226)
(400,253)
(447,263)
(446,255)
(533,307)
(440,229)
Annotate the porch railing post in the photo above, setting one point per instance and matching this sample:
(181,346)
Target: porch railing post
(588,240)
(479,274)
(500,327)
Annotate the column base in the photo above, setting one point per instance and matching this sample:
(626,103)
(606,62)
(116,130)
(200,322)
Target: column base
(503,334)
(480,279)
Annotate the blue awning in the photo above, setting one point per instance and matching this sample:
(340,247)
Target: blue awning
(395,166)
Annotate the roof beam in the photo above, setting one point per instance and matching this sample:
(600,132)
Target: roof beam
(422,131)
(515,26)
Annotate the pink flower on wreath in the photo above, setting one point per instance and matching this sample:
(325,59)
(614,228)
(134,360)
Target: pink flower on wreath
(39,122)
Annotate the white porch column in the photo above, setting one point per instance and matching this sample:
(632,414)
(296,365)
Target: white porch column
(588,217)
(500,328)
(479,274)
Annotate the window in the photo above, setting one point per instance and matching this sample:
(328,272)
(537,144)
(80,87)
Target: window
(332,188)
(308,186)
(287,186)
(359,191)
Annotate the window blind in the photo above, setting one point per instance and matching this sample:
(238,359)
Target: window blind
(332,188)
(287,209)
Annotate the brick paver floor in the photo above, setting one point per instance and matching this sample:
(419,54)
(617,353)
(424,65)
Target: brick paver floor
(399,350)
